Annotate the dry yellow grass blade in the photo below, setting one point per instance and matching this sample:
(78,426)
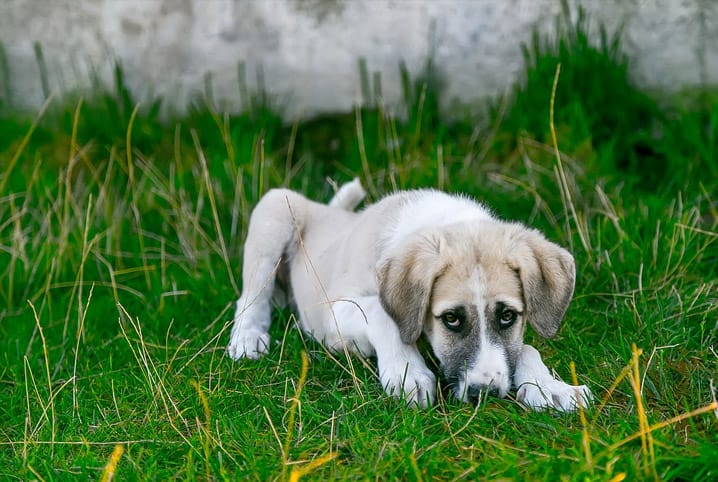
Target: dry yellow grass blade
(566,196)
(647,451)
(711,407)
(618,477)
(109,471)
(293,410)
(645,430)
(586,437)
(300,472)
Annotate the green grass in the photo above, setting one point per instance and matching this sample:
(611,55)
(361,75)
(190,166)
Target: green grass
(120,253)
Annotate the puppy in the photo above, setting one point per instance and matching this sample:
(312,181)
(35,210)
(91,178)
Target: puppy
(416,263)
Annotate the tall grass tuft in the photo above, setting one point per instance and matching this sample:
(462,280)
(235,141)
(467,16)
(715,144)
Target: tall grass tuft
(596,98)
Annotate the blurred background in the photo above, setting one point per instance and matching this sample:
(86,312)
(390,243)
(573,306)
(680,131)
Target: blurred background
(305,53)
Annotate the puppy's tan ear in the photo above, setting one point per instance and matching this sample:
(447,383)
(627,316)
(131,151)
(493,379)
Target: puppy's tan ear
(548,274)
(406,277)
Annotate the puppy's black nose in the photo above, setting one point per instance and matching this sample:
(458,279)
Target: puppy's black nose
(476,392)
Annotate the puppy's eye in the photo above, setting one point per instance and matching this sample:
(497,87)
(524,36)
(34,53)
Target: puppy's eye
(507,318)
(452,320)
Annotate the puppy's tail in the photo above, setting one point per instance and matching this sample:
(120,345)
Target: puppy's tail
(349,196)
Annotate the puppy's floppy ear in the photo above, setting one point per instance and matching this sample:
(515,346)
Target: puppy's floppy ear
(548,274)
(406,277)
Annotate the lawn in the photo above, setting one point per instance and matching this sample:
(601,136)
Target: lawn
(121,231)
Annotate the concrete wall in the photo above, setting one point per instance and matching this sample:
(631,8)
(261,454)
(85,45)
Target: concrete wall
(308,50)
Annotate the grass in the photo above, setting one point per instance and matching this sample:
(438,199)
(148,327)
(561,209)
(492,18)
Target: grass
(120,249)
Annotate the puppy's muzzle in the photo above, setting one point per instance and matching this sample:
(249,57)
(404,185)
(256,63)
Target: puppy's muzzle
(477,391)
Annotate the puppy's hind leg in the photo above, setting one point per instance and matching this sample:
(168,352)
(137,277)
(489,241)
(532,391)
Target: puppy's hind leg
(271,240)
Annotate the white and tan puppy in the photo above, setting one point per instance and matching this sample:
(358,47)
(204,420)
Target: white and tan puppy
(415,263)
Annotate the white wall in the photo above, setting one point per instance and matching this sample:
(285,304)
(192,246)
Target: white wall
(308,50)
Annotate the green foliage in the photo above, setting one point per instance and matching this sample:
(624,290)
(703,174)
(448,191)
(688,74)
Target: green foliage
(596,98)
(120,249)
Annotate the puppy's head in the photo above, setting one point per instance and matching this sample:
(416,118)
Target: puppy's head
(471,288)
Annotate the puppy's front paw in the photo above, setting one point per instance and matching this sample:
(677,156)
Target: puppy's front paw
(554,394)
(248,343)
(415,384)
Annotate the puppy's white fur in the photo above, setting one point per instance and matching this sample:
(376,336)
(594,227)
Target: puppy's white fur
(416,262)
